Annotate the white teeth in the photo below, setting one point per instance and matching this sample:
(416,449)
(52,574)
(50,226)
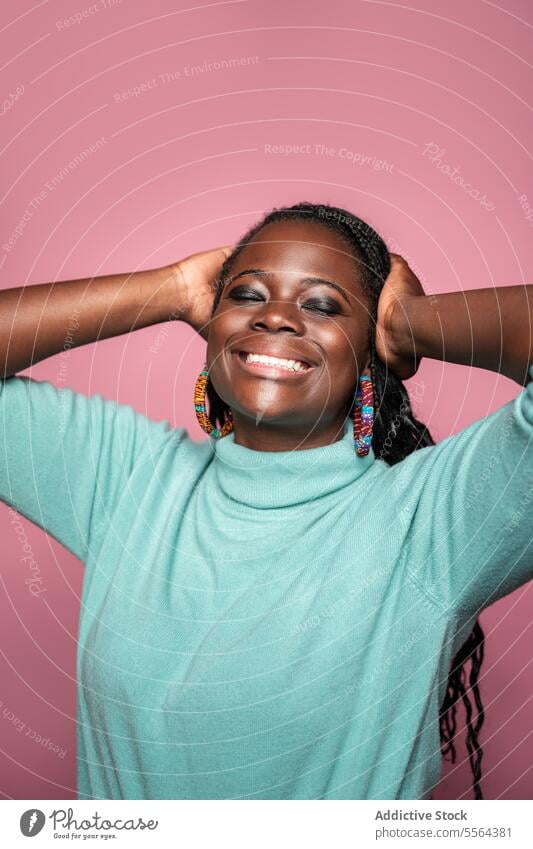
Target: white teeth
(291,365)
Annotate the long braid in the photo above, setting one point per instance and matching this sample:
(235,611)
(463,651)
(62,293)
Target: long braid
(396,434)
(473,649)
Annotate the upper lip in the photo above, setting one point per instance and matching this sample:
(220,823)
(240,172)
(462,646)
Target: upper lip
(286,351)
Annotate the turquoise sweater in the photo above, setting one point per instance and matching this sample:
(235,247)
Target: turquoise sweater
(266,625)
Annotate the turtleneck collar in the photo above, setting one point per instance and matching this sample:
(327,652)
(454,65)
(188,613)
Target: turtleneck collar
(267,479)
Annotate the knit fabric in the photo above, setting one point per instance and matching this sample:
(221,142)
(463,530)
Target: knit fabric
(260,625)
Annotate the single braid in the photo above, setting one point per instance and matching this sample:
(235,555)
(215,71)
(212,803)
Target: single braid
(396,434)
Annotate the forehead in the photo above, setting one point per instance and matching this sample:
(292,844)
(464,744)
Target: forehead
(301,248)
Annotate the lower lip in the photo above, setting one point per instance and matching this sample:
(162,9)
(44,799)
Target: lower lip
(269,370)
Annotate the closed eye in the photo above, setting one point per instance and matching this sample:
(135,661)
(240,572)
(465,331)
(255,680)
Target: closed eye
(323,307)
(241,294)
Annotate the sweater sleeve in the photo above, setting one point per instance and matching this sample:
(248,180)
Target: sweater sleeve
(469,510)
(66,458)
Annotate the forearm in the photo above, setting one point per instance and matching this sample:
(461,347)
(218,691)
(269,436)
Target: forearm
(485,328)
(36,321)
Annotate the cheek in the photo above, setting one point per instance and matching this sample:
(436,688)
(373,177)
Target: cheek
(343,357)
(342,354)
(226,321)
(220,329)
(223,328)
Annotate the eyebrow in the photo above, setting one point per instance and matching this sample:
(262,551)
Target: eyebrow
(311,281)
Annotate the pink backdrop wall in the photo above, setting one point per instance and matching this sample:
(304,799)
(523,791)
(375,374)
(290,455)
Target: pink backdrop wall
(135,134)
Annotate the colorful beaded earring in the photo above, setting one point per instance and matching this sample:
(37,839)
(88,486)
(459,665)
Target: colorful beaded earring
(363,416)
(200,388)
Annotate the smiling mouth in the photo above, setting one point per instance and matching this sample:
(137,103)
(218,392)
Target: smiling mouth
(271,363)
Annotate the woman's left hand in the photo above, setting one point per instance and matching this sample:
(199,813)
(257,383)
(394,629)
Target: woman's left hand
(394,342)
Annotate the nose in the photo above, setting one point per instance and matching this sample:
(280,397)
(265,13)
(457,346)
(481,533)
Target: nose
(275,316)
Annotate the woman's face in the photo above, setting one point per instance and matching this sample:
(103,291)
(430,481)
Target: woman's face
(294,294)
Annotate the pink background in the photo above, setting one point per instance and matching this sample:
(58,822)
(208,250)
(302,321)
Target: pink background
(183,165)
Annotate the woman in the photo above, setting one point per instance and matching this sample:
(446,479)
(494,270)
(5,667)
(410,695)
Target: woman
(283,610)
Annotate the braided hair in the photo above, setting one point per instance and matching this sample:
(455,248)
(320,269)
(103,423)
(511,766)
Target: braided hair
(396,433)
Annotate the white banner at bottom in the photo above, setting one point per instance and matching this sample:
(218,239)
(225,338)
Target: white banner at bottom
(263,824)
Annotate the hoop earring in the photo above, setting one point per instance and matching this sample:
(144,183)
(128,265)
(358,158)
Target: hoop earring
(200,388)
(363,416)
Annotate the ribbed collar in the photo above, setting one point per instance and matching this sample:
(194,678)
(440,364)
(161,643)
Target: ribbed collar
(269,479)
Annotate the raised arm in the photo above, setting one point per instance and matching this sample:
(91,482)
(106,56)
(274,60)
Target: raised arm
(467,500)
(66,459)
(486,328)
(35,321)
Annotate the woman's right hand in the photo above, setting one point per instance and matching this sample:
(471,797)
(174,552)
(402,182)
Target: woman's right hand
(195,285)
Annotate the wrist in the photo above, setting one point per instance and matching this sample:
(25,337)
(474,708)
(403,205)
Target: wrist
(168,291)
(403,323)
